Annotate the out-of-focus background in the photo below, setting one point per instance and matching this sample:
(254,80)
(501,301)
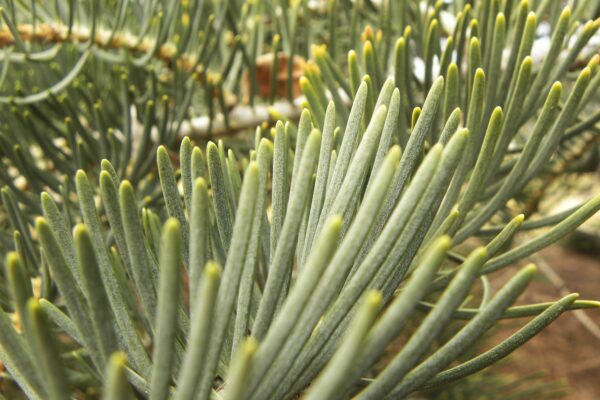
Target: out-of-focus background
(570,348)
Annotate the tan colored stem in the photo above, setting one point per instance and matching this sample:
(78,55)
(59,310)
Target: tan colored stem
(59,34)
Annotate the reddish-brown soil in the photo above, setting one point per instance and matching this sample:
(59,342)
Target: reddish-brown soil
(566,349)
